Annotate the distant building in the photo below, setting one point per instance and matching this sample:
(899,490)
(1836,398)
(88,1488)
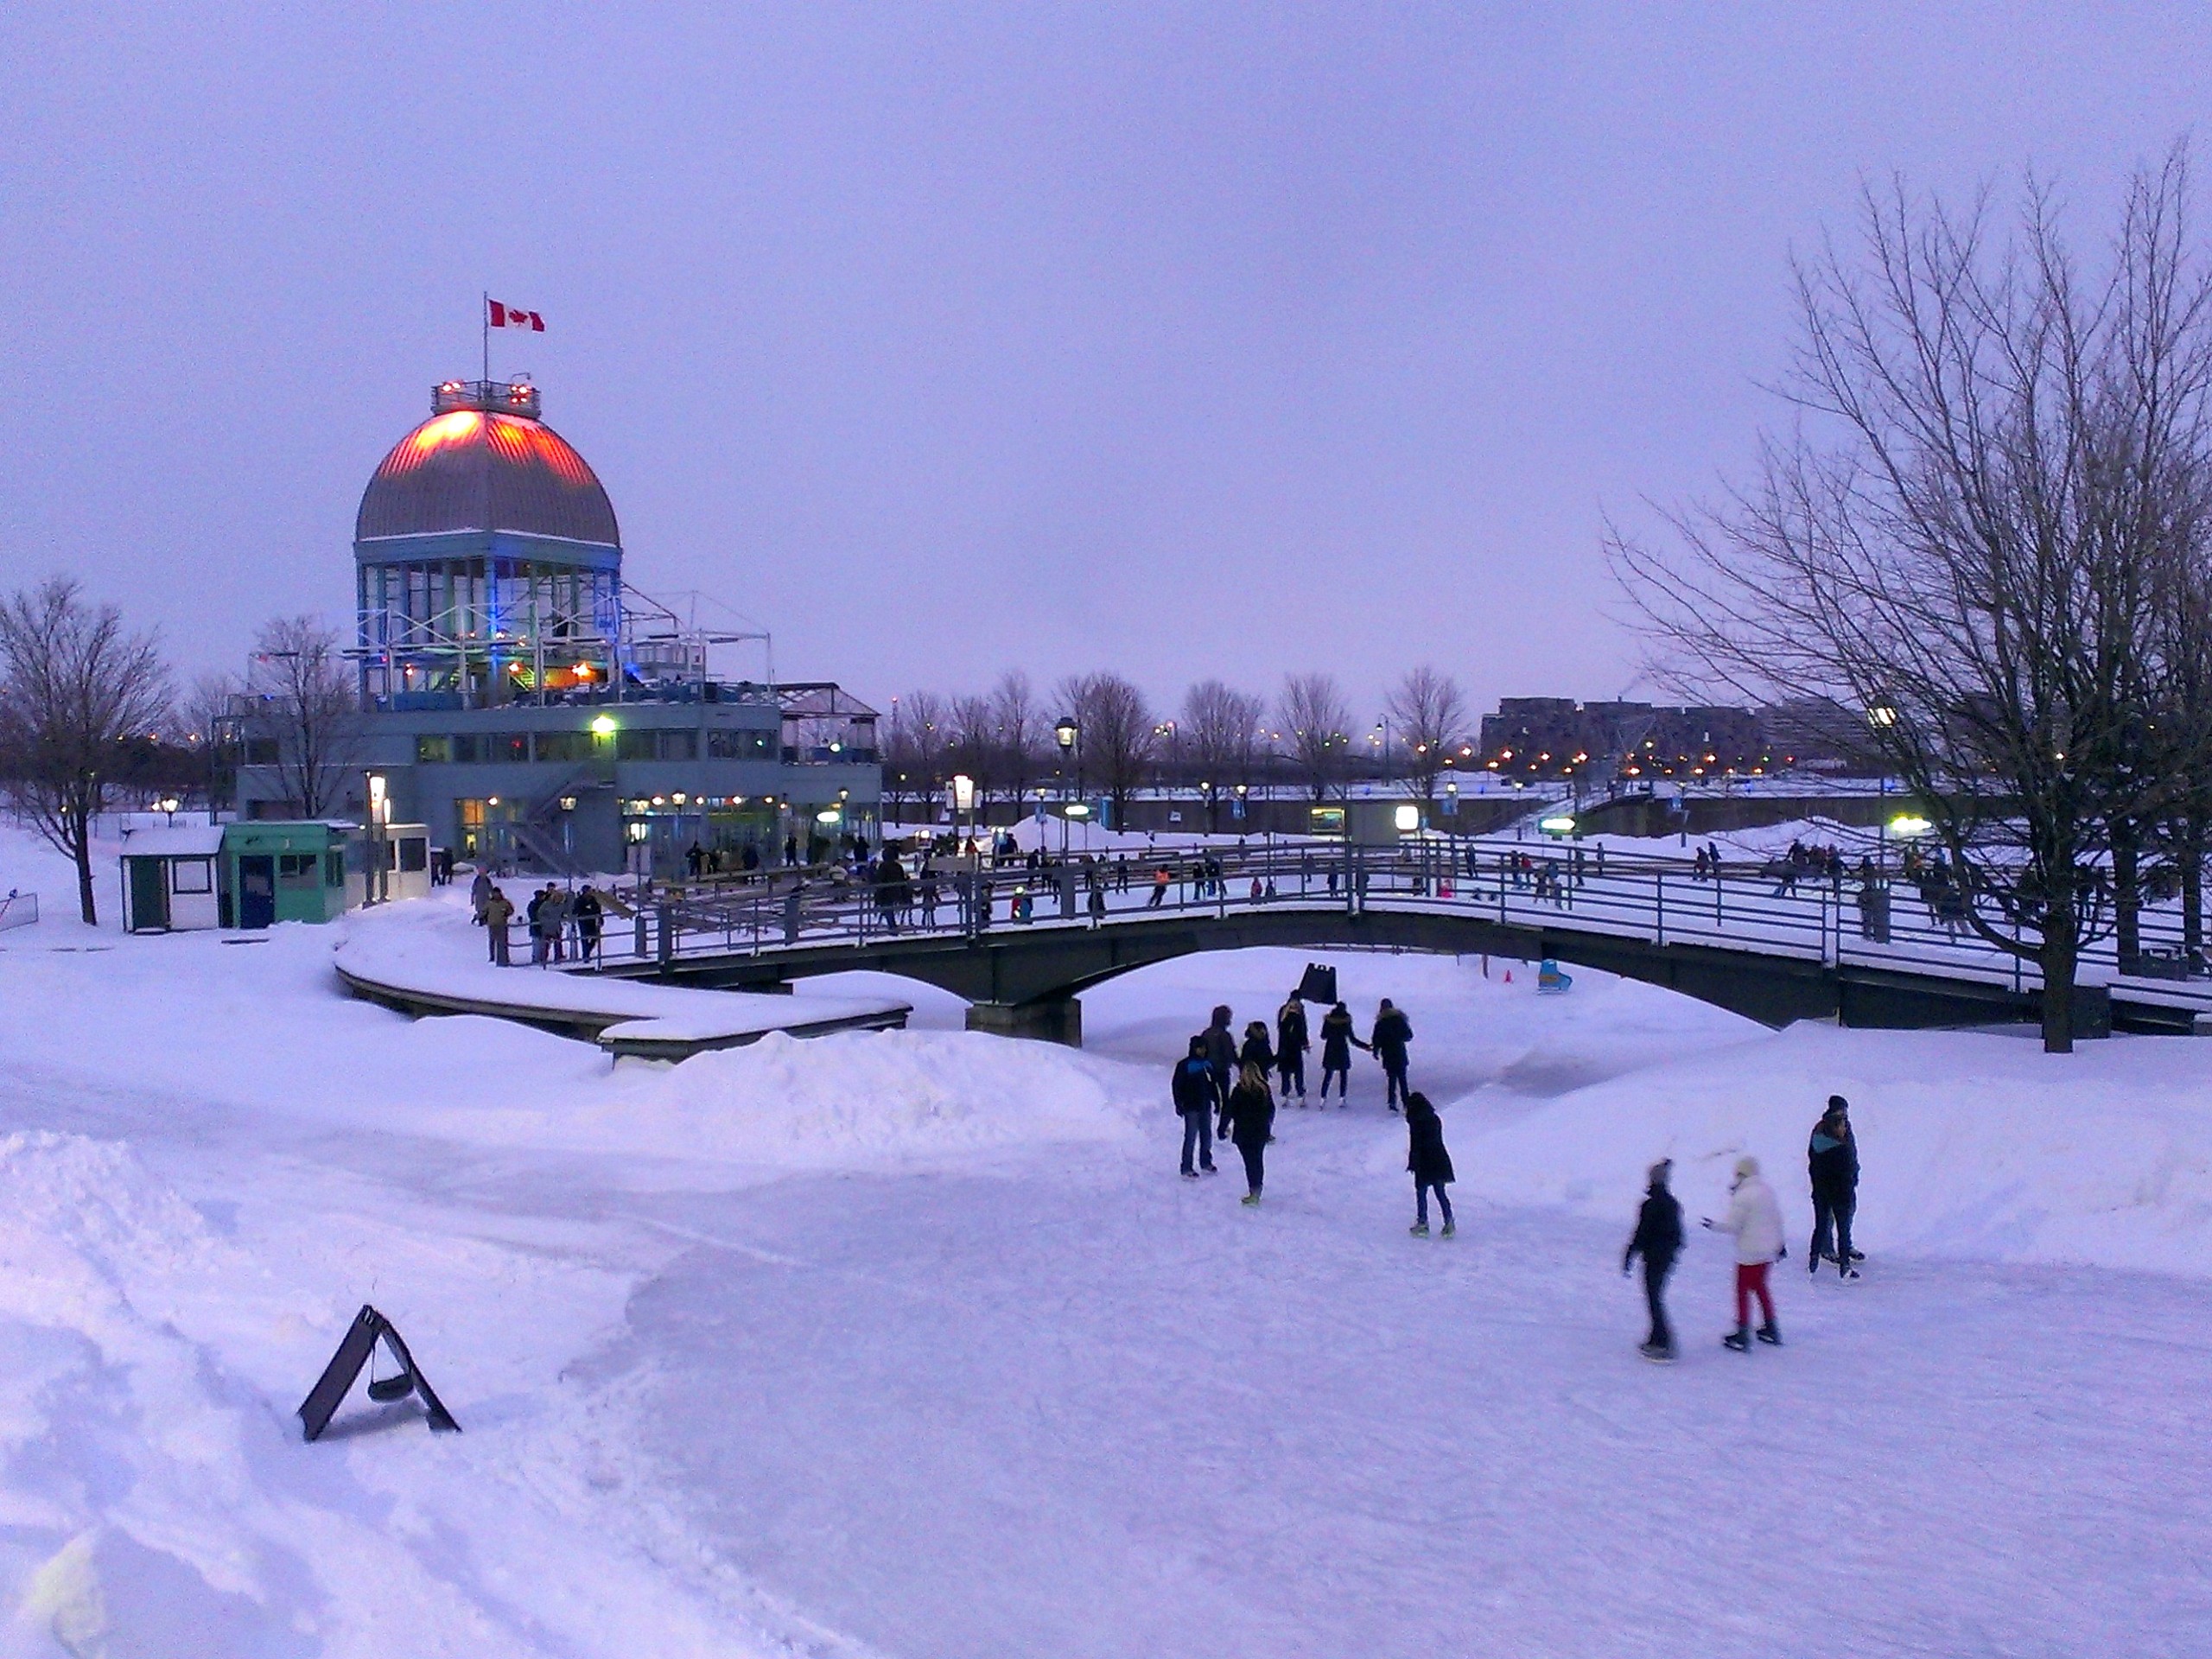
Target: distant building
(1535,738)
(525,704)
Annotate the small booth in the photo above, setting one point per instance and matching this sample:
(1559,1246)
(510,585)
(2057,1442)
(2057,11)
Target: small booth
(169,880)
(271,871)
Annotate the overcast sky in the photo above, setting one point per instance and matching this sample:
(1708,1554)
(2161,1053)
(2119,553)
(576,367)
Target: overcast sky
(1212,339)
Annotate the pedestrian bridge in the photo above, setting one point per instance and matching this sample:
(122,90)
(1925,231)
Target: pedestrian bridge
(1021,944)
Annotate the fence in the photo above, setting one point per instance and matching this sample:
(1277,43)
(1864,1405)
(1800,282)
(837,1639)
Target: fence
(1758,908)
(18,909)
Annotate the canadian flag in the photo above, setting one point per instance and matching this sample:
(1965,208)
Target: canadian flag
(506,316)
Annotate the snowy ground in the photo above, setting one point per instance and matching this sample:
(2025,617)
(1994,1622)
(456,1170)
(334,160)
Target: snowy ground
(914,1344)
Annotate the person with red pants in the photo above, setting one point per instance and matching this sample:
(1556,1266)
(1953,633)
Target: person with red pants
(1756,1220)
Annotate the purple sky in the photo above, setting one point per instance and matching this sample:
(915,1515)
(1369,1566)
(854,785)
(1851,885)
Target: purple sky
(1216,340)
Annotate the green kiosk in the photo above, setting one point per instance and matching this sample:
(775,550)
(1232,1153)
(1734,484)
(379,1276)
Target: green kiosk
(273,872)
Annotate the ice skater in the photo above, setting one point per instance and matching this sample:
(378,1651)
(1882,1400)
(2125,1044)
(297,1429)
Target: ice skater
(1195,1100)
(1658,1240)
(1756,1220)
(1251,1126)
(1257,1051)
(1387,1039)
(1338,1041)
(1291,1044)
(1221,1054)
(1429,1163)
(1831,1157)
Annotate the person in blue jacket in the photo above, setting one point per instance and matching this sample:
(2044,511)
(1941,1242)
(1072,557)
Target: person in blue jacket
(1196,1101)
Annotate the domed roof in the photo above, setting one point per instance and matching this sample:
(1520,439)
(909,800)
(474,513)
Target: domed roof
(474,468)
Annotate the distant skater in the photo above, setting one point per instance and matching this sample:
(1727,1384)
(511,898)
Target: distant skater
(1658,1240)
(1756,1220)
(1831,1157)
(1251,1126)
(1291,1044)
(1195,1101)
(1391,1033)
(1430,1164)
(1338,1041)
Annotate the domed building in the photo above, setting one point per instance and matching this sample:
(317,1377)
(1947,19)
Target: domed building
(521,702)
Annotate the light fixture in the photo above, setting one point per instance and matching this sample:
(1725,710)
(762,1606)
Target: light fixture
(1909,826)
(1406,817)
(602,726)
(1559,824)
(964,792)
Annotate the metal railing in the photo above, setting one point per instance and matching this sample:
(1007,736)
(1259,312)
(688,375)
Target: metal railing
(17,910)
(1768,909)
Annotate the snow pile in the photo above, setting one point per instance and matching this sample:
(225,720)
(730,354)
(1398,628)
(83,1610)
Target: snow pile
(874,1100)
(1972,1144)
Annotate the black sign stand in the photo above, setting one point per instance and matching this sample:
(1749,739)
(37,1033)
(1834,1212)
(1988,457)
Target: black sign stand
(369,1328)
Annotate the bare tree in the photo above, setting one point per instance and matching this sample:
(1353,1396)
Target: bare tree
(1218,724)
(75,689)
(1117,739)
(1966,538)
(310,700)
(914,760)
(1430,713)
(203,718)
(1316,723)
(1014,712)
(975,748)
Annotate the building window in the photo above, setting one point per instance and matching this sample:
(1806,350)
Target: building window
(571,746)
(723,744)
(414,853)
(261,751)
(507,748)
(298,870)
(677,746)
(433,751)
(192,875)
(633,745)
(333,869)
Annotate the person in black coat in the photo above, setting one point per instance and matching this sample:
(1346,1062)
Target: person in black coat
(1429,1162)
(1393,1031)
(1658,1240)
(1338,1041)
(1221,1054)
(1191,1084)
(1251,1125)
(1291,1044)
(1832,1160)
(1257,1050)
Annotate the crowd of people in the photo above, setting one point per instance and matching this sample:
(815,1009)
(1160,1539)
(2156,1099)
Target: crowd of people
(562,926)
(1227,1090)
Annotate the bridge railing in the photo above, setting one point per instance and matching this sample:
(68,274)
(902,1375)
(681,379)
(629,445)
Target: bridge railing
(1766,908)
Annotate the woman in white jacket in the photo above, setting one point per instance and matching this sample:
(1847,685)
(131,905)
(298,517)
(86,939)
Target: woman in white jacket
(1756,1220)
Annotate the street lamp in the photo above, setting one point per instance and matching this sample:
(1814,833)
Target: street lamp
(963,803)
(377,889)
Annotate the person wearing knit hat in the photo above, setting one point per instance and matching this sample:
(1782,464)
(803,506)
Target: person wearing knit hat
(1755,1219)
(1658,1240)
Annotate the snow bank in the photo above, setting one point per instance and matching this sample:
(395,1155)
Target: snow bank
(874,1100)
(1972,1144)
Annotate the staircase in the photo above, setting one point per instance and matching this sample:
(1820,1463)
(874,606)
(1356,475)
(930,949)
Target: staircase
(538,831)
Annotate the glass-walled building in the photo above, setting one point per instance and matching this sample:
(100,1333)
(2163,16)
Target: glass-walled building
(529,708)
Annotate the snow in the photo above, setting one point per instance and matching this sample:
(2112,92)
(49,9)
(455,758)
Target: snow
(914,1344)
(431,949)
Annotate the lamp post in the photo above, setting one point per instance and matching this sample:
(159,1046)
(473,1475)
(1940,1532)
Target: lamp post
(377,889)
(1068,733)
(963,803)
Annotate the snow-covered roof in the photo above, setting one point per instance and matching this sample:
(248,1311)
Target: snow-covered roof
(174,841)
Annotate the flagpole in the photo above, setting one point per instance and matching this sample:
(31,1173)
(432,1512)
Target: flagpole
(484,322)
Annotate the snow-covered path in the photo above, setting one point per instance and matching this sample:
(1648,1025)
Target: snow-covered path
(1097,1411)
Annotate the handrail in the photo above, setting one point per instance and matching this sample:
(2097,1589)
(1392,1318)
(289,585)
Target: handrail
(1760,907)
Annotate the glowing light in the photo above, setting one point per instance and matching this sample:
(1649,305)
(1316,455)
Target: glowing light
(602,726)
(1559,825)
(1909,826)
(1406,817)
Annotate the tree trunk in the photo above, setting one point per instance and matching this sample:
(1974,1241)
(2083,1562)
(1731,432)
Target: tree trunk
(2059,953)
(2192,887)
(83,853)
(2127,894)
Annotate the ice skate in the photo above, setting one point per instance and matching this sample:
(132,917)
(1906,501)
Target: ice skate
(1449,1230)
(1419,1229)
(1249,1198)
(1770,1333)
(1657,1352)
(1739,1339)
